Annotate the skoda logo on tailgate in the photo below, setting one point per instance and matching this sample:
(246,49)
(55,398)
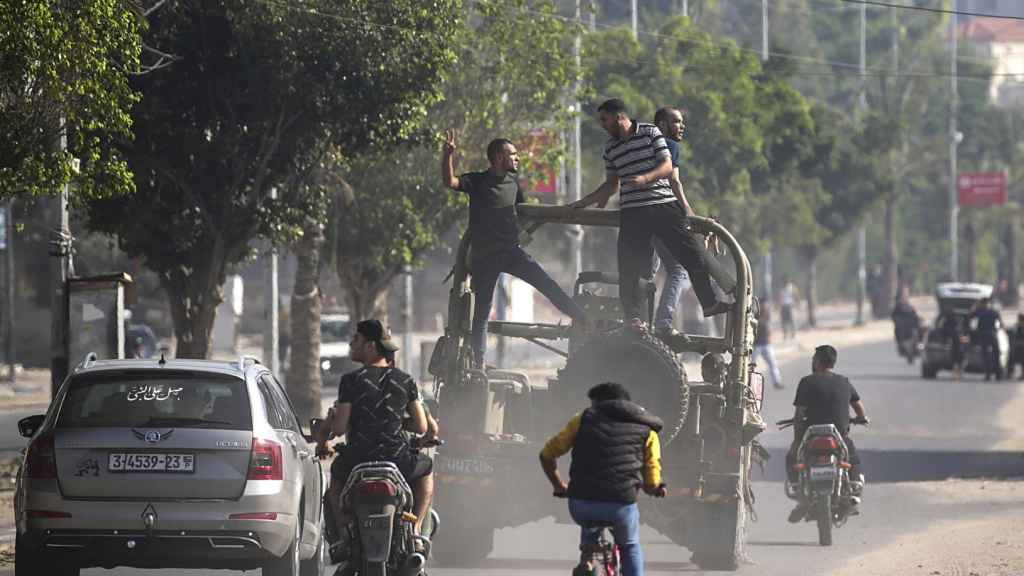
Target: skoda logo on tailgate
(152,436)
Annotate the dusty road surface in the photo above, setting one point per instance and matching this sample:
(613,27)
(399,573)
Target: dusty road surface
(914,520)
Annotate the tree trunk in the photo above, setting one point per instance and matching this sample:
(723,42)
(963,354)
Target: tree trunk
(812,287)
(887,291)
(971,252)
(363,305)
(304,366)
(193,311)
(1011,263)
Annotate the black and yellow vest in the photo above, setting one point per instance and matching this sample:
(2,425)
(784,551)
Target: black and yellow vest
(608,454)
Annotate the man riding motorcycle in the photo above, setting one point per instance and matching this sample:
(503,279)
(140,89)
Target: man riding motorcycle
(825,397)
(906,322)
(615,451)
(375,403)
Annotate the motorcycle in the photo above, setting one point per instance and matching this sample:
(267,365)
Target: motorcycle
(824,486)
(909,343)
(381,537)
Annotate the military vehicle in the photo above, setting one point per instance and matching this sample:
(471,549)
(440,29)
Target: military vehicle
(496,420)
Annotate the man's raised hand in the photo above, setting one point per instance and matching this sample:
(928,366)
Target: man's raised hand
(449,141)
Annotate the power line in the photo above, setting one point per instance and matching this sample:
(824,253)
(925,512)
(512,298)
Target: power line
(881,4)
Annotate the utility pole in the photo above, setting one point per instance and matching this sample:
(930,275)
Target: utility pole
(271,309)
(862,274)
(407,312)
(764,58)
(576,186)
(954,142)
(61,267)
(764,30)
(634,15)
(9,292)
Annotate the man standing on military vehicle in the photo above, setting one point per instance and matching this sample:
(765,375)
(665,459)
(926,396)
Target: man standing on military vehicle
(638,166)
(494,235)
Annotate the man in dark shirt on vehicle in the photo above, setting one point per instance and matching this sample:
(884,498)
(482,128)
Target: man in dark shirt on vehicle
(375,403)
(825,397)
(989,323)
(494,235)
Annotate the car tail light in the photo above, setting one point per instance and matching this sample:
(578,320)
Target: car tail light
(266,463)
(375,488)
(41,458)
(823,444)
(254,516)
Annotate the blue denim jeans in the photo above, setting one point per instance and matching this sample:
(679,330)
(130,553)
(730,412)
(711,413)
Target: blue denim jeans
(625,521)
(676,281)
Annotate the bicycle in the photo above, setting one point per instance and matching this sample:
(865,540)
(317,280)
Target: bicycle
(602,557)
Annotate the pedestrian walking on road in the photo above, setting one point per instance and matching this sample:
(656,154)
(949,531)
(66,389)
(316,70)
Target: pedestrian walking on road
(494,235)
(638,166)
(763,344)
(787,302)
(989,323)
(1016,348)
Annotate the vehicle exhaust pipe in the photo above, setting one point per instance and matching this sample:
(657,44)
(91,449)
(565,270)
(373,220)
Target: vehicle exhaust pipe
(414,565)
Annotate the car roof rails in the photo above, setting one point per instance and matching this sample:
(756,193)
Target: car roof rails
(246,359)
(87,362)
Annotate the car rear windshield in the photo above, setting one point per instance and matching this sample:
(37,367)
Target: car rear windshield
(148,398)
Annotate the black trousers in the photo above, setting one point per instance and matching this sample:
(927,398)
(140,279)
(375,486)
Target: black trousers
(989,343)
(668,223)
(855,468)
(517,262)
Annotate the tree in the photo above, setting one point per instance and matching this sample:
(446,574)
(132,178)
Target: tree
(64,71)
(510,79)
(847,175)
(256,96)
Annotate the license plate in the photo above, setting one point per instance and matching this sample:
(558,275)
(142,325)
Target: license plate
(377,523)
(150,462)
(473,466)
(822,472)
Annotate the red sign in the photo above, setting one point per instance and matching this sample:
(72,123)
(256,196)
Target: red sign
(981,188)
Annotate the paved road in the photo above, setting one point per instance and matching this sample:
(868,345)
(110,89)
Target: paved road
(914,423)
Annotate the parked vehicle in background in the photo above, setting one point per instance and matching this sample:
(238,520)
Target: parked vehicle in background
(335,334)
(169,464)
(956,301)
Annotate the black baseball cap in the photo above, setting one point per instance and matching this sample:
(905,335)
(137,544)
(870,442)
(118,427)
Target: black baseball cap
(374,331)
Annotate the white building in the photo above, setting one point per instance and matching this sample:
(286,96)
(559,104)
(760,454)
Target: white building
(1002,42)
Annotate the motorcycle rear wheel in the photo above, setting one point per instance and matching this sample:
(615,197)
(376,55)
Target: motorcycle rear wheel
(824,517)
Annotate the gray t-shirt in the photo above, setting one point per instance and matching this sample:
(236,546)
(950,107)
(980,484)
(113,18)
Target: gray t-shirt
(493,223)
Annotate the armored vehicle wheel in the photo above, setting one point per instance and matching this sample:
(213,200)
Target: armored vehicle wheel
(640,362)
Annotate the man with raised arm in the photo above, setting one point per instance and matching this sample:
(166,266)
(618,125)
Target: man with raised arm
(494,235)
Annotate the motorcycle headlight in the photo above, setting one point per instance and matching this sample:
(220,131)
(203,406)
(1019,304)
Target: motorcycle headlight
(325,365)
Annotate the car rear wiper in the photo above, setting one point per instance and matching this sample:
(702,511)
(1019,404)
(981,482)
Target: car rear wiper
(183,421)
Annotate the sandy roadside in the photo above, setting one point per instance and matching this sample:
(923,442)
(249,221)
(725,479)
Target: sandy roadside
(987,545)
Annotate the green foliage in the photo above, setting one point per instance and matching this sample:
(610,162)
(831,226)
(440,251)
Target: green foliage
(64,68)
(259,94)
(746,131)
(513,75)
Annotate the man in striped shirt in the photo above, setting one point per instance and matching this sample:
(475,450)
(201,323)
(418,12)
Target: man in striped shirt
(638,166)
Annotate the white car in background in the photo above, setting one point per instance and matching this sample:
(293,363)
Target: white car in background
(335,335)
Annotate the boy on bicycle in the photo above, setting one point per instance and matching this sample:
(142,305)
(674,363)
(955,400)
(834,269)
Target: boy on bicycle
(615,452)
